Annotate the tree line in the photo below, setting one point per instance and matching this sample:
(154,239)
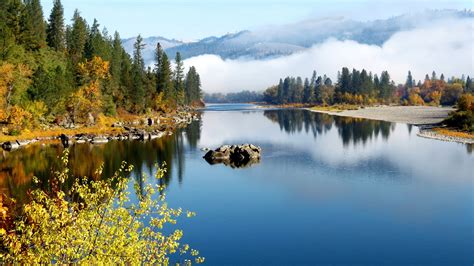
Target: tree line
(51,71)
(365,88)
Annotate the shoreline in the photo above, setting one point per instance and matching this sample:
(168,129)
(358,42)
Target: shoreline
(413,115)
(427,118)
(436,135)
(143,128)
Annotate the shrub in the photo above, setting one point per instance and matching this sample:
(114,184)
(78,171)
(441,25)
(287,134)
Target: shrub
(463,120)
(95,222)
(466,102)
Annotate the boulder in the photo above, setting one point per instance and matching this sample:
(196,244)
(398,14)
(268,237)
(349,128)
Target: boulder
(235,156)
(99,140)
(64,140)
(10,145)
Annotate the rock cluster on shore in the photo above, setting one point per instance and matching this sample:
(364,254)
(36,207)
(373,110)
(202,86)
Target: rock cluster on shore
(150,129)
(235,156)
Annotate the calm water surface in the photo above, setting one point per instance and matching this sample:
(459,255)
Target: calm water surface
(328,189)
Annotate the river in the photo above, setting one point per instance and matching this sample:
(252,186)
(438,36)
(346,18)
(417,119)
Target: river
(328,190)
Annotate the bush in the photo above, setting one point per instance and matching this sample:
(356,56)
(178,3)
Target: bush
(466,102)
(94,222)
(463,120)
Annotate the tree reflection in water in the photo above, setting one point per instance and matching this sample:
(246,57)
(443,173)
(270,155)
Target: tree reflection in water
(351,130)
(17,168)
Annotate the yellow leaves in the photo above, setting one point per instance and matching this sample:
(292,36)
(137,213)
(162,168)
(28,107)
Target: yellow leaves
(18,117)
(414,97)
(466,102)
(87,101)
(104,226)
(94,69)
(3,209)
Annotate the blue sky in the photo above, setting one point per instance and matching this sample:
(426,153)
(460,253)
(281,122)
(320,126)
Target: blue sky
(191,20)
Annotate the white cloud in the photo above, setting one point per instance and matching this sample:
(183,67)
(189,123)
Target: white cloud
(444,46)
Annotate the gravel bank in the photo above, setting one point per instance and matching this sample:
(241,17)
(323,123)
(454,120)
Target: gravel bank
(415,115)
(430,134)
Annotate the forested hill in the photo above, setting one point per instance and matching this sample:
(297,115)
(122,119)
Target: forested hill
(51,72)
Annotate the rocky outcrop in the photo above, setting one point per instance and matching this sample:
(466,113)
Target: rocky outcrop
(236,156)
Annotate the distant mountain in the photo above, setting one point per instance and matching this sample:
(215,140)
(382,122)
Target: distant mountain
(150,46)
(284,40)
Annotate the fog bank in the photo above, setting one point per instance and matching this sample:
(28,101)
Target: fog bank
(444,46)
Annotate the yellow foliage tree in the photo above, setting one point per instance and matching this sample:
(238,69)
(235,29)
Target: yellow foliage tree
(87,101)
(414,97)
(14,79)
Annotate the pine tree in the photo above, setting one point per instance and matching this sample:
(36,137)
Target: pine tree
(34,28)
(178,79)
(385,86)
(7,39)
(138,91)
(344,81)
(409,83)
(165,79)
(56,30)
(158,64)
(469,86)
(192,86)
(280,93)
(78,37)
(306,91)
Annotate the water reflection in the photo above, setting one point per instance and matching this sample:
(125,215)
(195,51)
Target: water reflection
(351,130)
(17,168)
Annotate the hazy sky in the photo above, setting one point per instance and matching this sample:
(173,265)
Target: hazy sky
(192,19)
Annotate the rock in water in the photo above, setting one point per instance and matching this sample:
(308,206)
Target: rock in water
(236,156)
(10,145)
(64,140)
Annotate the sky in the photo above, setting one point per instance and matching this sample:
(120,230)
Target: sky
(190,20)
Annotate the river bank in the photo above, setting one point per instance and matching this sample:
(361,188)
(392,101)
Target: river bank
(138,128)
(428,118)
(414,115)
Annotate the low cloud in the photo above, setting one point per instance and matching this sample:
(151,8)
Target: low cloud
(444,46)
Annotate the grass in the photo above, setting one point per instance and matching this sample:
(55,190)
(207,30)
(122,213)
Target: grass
(454,133)
(336,108)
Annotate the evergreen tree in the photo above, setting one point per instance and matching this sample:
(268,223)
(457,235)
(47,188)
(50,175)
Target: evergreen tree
(409,83)
(56,29)
(344,81)
(7,39)
(366,83)
(138,91)
(280,93)
(385,86)
(165,79)
(178,79)
(306,91)
(14,10)
(34,28)
(76,42)
(469,86)
(158,64)
(192,86)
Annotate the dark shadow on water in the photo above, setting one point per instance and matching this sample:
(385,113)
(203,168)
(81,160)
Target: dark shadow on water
(351,130)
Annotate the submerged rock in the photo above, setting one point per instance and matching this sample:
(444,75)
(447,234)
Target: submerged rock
(235,156)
